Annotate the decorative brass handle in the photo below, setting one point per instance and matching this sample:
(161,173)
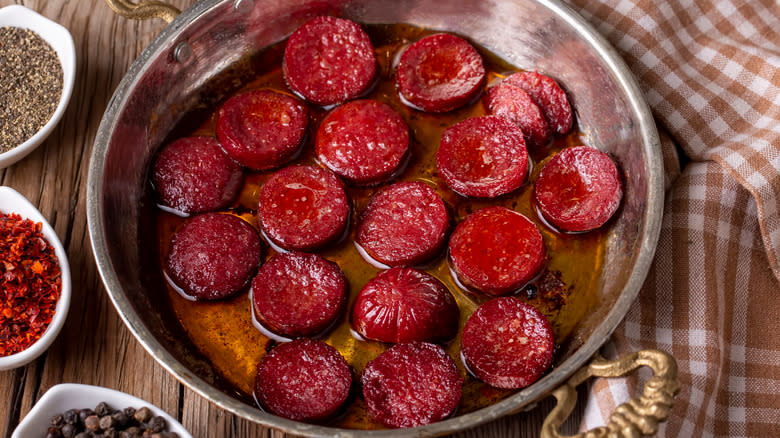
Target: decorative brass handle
(632,419)
(144,10)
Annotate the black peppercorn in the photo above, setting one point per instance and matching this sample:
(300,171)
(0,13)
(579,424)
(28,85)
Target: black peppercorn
(157,424)
(143,415)
(69,430)
(71,416)
(106,422)
(120,418)
(83,435)
(135,432)
(92,423)
(102,409)
(129,411)
(58,420)
(84,413)
(53,432)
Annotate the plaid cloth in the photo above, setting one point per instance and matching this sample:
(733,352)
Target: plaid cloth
(710,71)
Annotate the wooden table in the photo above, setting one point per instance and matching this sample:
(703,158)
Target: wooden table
(95,347)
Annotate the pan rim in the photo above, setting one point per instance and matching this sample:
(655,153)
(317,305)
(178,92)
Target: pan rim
(512,404)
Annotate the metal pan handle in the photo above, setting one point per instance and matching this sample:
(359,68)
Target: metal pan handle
(144,10)
(633,419)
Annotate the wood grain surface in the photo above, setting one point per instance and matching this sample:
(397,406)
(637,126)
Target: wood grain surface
(95,347)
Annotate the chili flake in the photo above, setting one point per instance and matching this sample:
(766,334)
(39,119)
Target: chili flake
(30,283)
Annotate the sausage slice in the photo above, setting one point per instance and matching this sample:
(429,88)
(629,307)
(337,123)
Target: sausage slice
(515,104)
(404,305)
(303,208)
(364,141)
(262,129)
(440,73)
(404,224)
(411,385)
(579,189)
(496,250)
(303,380)
(548,95)
(507,343)
(193,175)
(297,294)
(329,60)
(483,157)
(213,256)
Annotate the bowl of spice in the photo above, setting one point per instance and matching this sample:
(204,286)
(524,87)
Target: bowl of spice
(35,284)
(37,70)
(69,409)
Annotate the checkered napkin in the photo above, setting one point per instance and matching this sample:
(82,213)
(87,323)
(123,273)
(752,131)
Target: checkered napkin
(710,71)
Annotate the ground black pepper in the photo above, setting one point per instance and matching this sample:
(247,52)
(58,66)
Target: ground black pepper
(30,85)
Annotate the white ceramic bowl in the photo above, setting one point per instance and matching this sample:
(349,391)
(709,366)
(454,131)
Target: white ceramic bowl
(61,41)
(60,398)
(13,202)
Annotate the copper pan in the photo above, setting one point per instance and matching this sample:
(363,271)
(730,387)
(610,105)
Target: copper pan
(176,69)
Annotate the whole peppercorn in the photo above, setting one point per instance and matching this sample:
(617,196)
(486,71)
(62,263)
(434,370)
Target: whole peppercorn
(53,432)
(102,409)
(69,431)
(106,422)
(157,424)
(129,411)
(120,418)
(84,413)
(111,433)
(83,435)
(131,432)
(143,415)
(58,420)
(71,416)
(92,423)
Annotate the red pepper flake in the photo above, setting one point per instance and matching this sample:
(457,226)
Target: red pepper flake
(30,283)
(37,267)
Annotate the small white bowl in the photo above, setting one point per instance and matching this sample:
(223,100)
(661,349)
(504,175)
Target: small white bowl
(13,202)
(61,41)
(60,398)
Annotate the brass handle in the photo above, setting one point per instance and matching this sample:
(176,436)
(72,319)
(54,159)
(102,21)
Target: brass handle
(632,419)
(144,10)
